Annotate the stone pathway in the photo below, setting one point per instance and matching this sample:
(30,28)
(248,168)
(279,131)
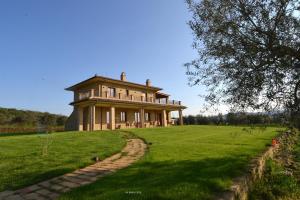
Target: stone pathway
(51,189)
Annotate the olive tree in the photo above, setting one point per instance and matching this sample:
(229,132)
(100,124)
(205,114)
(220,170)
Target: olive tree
(249,52)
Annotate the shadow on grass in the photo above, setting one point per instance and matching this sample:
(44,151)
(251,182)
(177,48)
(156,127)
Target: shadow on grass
(19,181)
(165,180)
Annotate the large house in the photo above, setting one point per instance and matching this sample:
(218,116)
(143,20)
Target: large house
(102,103)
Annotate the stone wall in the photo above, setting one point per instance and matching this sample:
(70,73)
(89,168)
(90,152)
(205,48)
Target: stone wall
(241,185)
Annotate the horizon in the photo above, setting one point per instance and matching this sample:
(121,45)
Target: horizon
(52,45)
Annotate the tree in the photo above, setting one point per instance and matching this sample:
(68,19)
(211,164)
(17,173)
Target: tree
(48,120)
(3,118)
(61,120)
(220,118)
(191,119)
(19,120)
(249,52)
(232,118)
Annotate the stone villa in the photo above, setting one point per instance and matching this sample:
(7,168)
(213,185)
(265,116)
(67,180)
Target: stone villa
(102,103)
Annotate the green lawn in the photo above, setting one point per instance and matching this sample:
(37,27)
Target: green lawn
(189,162)
(27,159)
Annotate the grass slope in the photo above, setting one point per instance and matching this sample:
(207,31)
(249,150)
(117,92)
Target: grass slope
(27,159)
(189,162)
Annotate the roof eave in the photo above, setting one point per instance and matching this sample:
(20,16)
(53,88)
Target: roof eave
(73,87)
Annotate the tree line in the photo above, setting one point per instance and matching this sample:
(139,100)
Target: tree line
(26,118)
(237,119)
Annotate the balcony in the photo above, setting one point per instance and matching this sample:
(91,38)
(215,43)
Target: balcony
(105,95)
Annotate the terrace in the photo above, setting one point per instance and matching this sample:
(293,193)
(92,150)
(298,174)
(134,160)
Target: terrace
(160,99)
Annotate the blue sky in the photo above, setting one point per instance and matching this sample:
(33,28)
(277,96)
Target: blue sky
(47,46)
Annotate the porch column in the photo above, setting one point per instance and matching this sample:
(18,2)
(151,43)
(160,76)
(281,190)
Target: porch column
(142,118)
(180,117)
(92,117)
(169,117)
(112,120)
(80,118)
(164,118)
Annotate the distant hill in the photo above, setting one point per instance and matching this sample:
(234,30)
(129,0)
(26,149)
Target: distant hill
(25,119)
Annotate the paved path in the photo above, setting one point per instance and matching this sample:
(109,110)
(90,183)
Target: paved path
(51,189)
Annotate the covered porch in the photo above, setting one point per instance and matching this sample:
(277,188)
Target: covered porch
(105,116)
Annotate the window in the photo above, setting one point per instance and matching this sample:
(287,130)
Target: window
(123,116)
(147,117)
(111,92)
(127,92)
(137,117)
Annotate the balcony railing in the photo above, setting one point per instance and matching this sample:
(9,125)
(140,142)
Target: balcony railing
(106,95)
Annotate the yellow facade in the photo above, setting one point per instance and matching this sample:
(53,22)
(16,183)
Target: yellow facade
(102,103)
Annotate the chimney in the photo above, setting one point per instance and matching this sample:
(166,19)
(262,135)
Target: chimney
(148,82)
(123,76)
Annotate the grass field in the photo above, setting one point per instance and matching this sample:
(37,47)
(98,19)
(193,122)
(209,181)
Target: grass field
(26,159)
(189,162)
